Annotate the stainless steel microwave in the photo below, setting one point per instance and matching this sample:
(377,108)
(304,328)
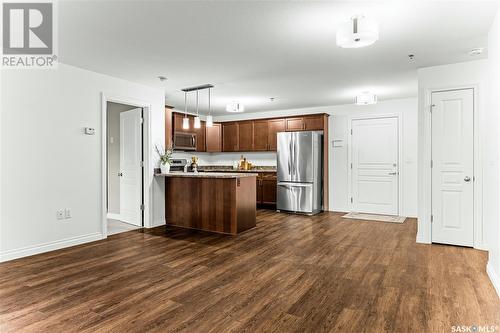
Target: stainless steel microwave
(184,141)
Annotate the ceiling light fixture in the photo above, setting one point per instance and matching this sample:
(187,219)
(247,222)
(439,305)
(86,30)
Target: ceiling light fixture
(358,32)
(185,120)
(235,107)
(197,122)
(210,119)
(476,51)
(366,98)
(162,78)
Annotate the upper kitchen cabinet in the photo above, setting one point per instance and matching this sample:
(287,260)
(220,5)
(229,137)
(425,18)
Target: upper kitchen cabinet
(200,137)
(230,136)
(274,126)
(261,135)
(314,123)
(294,124)
(245,135)
(214,138)
(168,126)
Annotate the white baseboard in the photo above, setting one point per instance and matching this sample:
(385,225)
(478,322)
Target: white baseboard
(421,239)
(113,216)
(46,247)
(494,277)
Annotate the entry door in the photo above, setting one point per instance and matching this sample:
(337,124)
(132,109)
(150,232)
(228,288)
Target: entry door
(375,156)
(130,166)
(452,167)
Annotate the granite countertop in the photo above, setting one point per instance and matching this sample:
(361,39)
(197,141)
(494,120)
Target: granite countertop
(205,174)
(230,169)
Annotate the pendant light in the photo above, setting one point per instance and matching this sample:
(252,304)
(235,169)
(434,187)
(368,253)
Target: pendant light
(358,32)
(210,119)
(185,120)
(197,122)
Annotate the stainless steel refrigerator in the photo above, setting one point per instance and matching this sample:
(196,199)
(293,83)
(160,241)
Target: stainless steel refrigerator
(300,172)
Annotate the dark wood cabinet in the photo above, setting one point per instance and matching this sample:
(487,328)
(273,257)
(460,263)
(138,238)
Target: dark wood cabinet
(230,136)
(260,135)
(200,137)
(269,185)
(266,188)
(258,191)
(314,123)
(294,124)
(168,127)
(214,138)
(274,126)
(245,136)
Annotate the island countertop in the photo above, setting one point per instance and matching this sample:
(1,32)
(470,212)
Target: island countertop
(206,174)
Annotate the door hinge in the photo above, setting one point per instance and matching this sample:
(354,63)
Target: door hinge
(351,199)
(432,163)
(432,105)
(432,218)
(351,165)
(142,164)
(351,131)
(142,207)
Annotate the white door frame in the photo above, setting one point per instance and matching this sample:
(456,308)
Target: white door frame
(424,234)
(146,134)
(401,168)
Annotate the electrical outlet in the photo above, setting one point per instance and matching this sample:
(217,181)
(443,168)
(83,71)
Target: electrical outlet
(60,214)
(67,213)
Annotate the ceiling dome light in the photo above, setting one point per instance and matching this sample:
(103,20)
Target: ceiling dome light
(366,98)
(358,32)
(476,51)
(235,107)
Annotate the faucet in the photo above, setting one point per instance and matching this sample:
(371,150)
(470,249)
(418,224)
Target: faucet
(186,168)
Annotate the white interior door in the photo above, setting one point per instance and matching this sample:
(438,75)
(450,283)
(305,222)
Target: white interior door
(130,166)
(452,167)
(374,157)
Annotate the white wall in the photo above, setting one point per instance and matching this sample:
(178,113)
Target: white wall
(494,126)
(113,137)
(47,163)
(460,75)
(338,127)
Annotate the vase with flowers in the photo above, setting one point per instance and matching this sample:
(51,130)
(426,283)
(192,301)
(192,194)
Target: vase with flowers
(165,158)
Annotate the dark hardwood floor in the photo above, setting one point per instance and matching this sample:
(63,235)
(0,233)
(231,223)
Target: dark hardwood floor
(290,274)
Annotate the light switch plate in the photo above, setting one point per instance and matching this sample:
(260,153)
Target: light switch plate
(67,213)
(60,214)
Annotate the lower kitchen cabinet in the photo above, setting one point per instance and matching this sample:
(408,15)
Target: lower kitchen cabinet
(266,189)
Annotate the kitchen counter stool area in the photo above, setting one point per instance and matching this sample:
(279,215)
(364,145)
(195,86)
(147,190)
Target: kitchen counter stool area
(216,202)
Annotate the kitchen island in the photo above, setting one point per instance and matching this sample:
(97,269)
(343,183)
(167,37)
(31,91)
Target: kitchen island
(211,201)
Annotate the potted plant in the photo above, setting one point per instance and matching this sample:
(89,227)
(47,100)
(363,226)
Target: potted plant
(165,158)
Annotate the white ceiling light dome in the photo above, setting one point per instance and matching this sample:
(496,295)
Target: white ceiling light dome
(360,31)
(366,98)
(235,107)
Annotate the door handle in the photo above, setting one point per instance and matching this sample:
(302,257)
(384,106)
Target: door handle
(120,174)
(393,173)
(467,179)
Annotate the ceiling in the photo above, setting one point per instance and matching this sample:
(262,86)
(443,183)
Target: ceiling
(254,50)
